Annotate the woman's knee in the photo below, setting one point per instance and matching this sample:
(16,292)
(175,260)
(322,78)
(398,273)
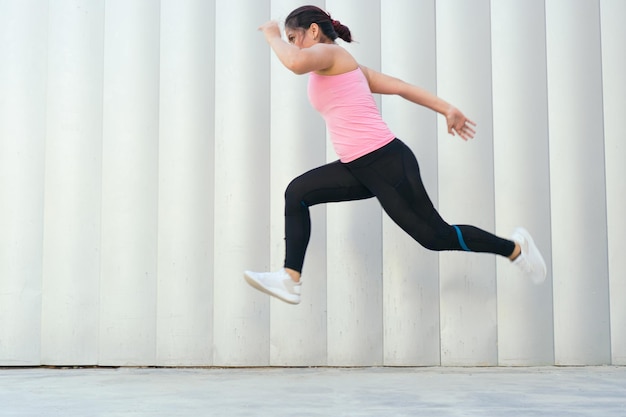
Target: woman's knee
(294,190)
(439,240)
(294,195)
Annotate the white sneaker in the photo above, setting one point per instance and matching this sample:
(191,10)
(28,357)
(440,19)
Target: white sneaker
(278,284)
(530,260)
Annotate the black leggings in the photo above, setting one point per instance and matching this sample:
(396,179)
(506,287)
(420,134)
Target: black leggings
(392,175)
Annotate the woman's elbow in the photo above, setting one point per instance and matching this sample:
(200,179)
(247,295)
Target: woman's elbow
(298,70)
(296,66)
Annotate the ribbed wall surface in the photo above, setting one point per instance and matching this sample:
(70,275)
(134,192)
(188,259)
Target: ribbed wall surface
(145,147)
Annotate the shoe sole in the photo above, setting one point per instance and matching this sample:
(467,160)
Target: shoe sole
(533,248)
(257,285)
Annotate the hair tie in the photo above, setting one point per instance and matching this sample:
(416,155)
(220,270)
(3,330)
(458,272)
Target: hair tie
(335,23)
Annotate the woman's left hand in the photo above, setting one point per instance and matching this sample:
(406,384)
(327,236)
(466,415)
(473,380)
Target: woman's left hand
(270,29)
(459,124)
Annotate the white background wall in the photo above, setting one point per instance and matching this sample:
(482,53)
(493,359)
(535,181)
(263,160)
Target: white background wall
(145,146)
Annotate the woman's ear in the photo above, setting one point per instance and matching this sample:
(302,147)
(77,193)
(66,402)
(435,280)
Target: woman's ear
(315,30)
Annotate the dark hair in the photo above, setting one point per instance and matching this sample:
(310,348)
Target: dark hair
(303,17)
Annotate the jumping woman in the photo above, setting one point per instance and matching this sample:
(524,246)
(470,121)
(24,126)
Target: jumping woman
(372,161)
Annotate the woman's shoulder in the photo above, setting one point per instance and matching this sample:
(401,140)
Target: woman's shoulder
(343,60)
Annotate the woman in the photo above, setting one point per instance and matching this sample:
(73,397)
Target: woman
(372,161)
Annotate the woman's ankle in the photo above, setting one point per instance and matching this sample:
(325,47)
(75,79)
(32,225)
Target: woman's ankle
(517,251)
(295,275)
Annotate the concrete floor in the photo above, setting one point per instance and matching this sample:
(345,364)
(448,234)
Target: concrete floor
(303,392)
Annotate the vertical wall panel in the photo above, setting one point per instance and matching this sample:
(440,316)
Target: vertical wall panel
(522,175)
(613,15)
(355,328)
(73,184)
(466,196)
(130,180)
(242,160)
(298,143)
(581,303)
(185,257)
(410,272)
(23,47)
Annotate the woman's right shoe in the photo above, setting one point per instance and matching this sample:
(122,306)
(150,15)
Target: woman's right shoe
(529,260)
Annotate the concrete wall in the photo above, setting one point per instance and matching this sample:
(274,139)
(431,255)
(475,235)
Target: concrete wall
(145,146)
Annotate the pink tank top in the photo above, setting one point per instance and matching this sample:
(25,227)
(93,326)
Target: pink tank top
(352,118)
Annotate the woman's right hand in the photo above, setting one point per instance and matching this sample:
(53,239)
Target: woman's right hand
(457,122)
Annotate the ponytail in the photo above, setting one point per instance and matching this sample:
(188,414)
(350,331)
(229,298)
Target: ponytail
(303,17)
(341,30)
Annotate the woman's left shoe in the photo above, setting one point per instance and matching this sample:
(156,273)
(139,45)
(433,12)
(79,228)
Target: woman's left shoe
(277,284)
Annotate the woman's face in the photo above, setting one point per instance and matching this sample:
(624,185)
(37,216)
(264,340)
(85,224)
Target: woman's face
(302,38)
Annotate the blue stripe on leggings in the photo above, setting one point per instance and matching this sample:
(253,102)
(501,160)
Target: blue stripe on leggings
(460,236)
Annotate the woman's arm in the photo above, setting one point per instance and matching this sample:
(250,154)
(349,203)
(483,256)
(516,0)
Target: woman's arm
(300,61)
(384,84)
